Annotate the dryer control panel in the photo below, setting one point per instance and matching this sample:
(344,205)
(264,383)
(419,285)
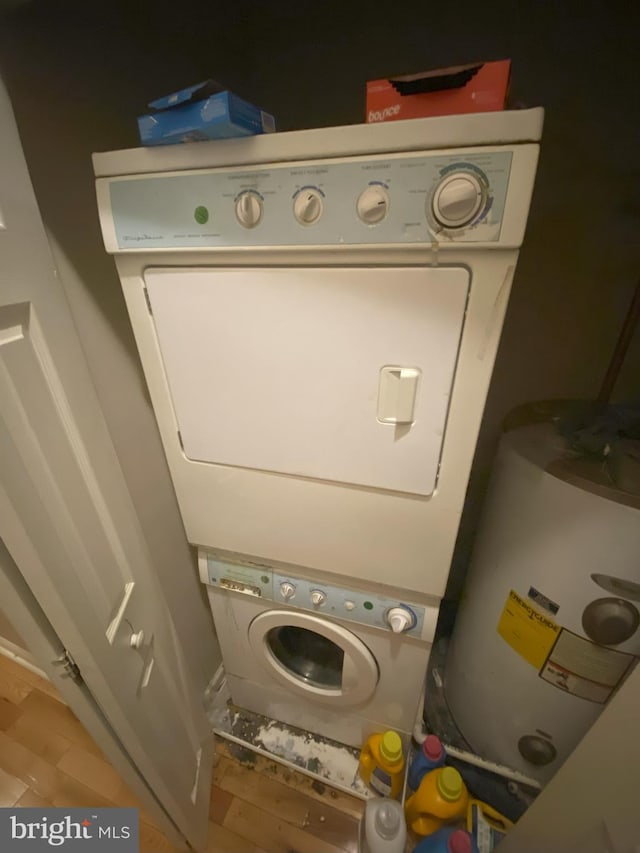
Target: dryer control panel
(396,199)
(339,602)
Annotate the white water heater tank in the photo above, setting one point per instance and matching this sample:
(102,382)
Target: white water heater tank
(548,626)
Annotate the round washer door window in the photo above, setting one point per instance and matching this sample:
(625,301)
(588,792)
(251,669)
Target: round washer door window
(313,657)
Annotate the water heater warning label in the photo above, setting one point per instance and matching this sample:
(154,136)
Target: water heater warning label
(529,633)
(562,658)
(584,669)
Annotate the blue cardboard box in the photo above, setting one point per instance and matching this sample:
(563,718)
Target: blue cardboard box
(203,111)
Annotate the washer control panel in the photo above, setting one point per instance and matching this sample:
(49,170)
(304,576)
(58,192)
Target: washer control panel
(395,199)
(349,604)
(345,603)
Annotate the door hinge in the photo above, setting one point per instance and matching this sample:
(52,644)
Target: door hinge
(68,667)
(148,301)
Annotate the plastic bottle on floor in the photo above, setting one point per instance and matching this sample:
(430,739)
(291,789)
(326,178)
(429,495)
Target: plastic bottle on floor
(430,756)
(441,798)
(383,828)
(487,826)
(382,764)
(447,839)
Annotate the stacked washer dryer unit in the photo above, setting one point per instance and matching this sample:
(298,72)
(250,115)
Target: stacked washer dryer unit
(317,315)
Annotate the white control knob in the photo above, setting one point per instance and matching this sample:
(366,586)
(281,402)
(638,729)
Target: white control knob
(318,597)
(307,207)
(457,199)
(248,209)
(373,204)
(349,605)
(287,590)
(400,619)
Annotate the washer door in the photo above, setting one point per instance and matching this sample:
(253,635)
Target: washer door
(314,658)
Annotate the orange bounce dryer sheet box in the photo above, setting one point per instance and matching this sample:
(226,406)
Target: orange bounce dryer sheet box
(479,87)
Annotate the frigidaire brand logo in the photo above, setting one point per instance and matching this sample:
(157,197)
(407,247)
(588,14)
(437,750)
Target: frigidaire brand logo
(381,115)
(32,830)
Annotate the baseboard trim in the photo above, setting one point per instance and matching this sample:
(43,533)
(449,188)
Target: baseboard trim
(19,655)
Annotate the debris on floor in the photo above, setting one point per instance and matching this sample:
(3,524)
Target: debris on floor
(250,734)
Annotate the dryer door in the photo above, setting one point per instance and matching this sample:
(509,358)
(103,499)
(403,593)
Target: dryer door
(313,657)
(341,374)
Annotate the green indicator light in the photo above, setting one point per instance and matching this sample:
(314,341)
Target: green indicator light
(368,605)
(201,215)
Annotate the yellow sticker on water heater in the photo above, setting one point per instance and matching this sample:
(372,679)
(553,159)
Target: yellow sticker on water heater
(529,633)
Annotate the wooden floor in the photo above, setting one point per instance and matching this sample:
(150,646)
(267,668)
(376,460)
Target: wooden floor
(257,805)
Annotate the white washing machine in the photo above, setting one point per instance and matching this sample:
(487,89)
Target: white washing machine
(335,660)
(317,315)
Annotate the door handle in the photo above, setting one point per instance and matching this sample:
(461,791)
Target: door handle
(397,392)
(137,639)
(120,611)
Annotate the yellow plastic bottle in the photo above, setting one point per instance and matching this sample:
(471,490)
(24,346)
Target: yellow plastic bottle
(441,797)
(382,764)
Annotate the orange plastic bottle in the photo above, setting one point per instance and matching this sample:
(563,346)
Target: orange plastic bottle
(441,797)
(382,764)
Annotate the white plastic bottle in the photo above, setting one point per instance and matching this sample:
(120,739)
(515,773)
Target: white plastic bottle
(383,828)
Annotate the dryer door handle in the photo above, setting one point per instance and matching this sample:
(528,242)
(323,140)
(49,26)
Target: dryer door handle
(397,389)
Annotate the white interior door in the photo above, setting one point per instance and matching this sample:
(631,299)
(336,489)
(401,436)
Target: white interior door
(68,522)
(334,373)
(46,648)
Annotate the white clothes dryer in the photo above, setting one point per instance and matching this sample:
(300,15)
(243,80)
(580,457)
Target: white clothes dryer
(317,315)
(338,661)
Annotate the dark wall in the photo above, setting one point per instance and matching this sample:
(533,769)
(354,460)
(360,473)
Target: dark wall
(79,73)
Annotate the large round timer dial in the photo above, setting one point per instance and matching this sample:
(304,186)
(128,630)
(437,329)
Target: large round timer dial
(458,199)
